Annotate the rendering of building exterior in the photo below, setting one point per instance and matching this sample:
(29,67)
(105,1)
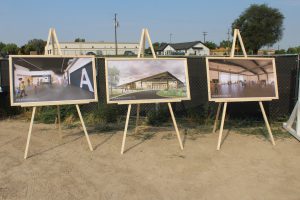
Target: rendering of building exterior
(159,81)
(196,48)
(96,48)
(144,79)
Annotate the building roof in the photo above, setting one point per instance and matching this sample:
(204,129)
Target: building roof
(57,65)
(180,46)
(162,47)
(247,67)
(155,76)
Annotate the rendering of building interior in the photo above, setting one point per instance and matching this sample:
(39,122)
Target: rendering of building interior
(241,78)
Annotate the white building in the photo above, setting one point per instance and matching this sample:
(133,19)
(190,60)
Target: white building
(97,48)
(195,48)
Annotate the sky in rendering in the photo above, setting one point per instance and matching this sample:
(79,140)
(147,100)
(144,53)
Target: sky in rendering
(137,69)
(93,19)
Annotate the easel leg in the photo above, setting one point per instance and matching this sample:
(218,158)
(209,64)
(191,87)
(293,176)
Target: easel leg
(126,127)
(266,121)
(84,128)
(222,126)
(58,119)
(29,132)
(137,118)
(217,117)
(175,125)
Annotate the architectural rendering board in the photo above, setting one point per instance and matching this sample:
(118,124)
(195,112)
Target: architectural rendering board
(241,79)
(52,80)
(144,80)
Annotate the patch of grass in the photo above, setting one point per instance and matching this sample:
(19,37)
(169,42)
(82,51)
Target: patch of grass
(201,114)
(48,114)
(157,118)
(105,118)
(172,93)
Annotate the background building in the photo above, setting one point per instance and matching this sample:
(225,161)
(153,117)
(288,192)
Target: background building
(196,48)
(97,48)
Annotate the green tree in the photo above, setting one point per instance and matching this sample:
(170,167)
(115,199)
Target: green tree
(293,50)
(79,40)
(260,25)
(10,49)
(155,45)
(37,45)
(280,51)
(210,45)
(2,45)
(225,44)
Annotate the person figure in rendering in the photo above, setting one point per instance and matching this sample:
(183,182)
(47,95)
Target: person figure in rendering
(216,88)
(22,89)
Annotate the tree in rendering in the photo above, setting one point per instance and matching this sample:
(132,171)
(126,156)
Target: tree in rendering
(260,25)
(113,77)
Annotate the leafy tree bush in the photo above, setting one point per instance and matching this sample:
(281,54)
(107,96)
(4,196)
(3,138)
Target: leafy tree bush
(225,44)
(108,113)
(281,51)
(156,118)
(79,40)
(210,45)
(260,25)
(293,50)
(10,49)
(37,45)
(200,114)
(48,114)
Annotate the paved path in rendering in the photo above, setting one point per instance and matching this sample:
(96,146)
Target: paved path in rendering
(149,94)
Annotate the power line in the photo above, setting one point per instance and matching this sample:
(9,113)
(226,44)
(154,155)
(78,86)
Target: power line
(228,39)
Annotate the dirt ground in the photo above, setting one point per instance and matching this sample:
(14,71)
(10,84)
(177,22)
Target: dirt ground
(153,166)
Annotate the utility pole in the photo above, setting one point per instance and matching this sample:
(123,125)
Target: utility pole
(171,34)
(204,34)
(228,40)
(116,26)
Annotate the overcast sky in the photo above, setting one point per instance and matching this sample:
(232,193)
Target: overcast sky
(93,19)
(135,70)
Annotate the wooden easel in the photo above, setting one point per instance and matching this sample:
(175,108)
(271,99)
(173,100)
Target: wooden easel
(52,40)
(145,35)
(294,116)
(235,36)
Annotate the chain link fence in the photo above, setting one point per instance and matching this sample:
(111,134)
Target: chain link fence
(287,75)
